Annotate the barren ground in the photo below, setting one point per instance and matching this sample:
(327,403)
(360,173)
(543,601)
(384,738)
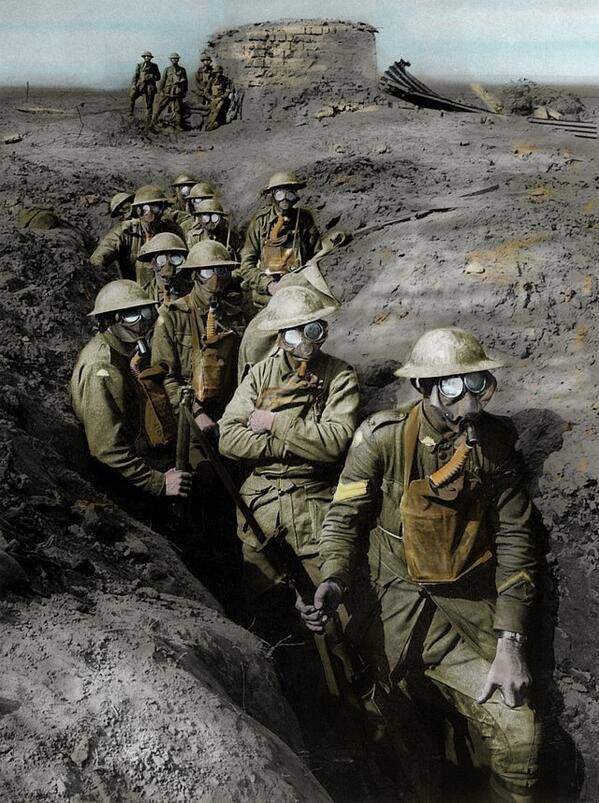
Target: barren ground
(121,680)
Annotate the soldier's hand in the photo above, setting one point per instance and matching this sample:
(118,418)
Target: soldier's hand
(260,421)
(326,601)
(272,288)
(206,424)
(178,483)
(139,362)
(509,673)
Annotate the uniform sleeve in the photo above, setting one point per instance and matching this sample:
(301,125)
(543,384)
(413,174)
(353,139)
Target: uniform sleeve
(164,350)
(135,78)
(323,440)
(350,514)
(108,249)
(516,552)
(163,81)
(313,241)
(250,254)
(184,83)
(237,440)
(103,419)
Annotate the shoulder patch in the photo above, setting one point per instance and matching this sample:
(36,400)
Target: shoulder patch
(102,372)
(350,490)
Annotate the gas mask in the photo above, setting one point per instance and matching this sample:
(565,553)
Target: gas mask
(459,400)
(150,213)
(195,202)
(166,266)
(210,220)
(184,190)
(132,325)
(213,280)
(285,198)
(303,342)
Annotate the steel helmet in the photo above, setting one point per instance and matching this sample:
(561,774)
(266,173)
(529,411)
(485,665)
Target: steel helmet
(283,179)
(182,179)
(147,53)
(203,189)
(163,243)
(208,254)
(149,194)
(174,56)
(207,206)
(118,295)
(206,58)
(446,352)
(118,201)
(294,306)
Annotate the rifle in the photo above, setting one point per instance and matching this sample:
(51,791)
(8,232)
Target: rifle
(355,676)
(183,431)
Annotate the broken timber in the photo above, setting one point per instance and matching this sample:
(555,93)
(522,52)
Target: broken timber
(397,81)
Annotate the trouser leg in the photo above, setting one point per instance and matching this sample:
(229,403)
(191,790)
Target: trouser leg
(505,740)
(133,95)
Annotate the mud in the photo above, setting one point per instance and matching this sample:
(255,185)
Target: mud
(121,675)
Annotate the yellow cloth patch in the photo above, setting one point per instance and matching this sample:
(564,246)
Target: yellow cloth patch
(514,580)
(102,372)
(350,490)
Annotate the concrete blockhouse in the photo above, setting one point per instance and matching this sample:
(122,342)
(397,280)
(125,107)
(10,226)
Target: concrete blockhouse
(279,64)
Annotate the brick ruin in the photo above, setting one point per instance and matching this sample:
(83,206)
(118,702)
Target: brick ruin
(283,64)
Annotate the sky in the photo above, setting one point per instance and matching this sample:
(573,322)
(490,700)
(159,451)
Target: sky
(97,42)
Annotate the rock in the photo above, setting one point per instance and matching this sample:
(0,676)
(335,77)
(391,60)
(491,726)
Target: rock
(81,752)
(135,548)
(11,573)
(11,138)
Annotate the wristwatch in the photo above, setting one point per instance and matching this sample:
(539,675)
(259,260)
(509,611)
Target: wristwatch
(512,635)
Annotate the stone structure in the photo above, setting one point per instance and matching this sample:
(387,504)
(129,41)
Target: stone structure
(281,64)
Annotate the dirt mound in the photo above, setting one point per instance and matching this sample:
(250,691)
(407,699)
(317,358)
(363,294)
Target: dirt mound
(524,96)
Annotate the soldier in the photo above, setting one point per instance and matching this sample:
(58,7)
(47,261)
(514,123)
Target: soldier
(452,556)
(204,77)
(173,89)
(219,99)
(144,83)
(165,253)
(291,419)
(182,185)
(198,338)
(123,243)
(120,205)
(126,425)
(211,222)
(281,237)
(202,191)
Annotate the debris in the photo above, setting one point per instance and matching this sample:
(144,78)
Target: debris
(10,138)
(81,752)
(397,81)
(474,267)
(482,191)
(11,573)
(39,217)
(524,96)
(89,200)
(490,100)
(43,110)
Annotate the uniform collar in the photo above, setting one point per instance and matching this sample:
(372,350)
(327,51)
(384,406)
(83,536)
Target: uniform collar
(288,371)
(115,344)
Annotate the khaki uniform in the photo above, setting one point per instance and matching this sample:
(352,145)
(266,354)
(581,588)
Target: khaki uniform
(122,245)
(173,89)
(144,82)
(194,233)
(173,344)
(108,400)
(298,235)
(203,79)
(295,465)
(442,630)
(219,99)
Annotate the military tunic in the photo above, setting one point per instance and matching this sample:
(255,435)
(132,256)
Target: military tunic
(444,630)
(195,233)
(296,464)
(173,89)
(122,245)
(172,343)
(144,82)
(108,401)
(219,99)
(307,243)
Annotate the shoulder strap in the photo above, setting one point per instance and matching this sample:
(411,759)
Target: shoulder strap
(196,345)
(410,438)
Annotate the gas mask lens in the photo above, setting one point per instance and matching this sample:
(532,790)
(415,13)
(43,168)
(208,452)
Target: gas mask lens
(210,218)
(455,386)
(174,259)
(131,317)
(185,189)
(156,209)
(197,201)
(313,332)
(220,272)
(284,194)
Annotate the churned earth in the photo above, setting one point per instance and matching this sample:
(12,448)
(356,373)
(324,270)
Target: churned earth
(121,678)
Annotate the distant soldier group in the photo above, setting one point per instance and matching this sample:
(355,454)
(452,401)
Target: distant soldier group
(216,348)
(214,91)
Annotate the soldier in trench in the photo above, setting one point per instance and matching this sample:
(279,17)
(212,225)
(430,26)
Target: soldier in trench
(453,562)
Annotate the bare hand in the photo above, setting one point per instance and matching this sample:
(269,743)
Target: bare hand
(272,288)
(178,483)
(206,424)
(326,601)
(260,421)
(509,673)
